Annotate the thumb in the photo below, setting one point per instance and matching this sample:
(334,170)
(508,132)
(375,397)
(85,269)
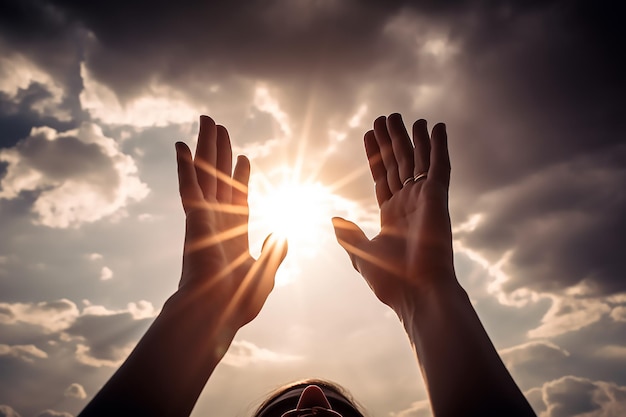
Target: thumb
(274,251)
(350,237)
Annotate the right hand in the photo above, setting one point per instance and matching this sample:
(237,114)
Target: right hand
(412,253)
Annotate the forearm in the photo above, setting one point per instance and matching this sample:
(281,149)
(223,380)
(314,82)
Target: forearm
(462,370)
(166,372)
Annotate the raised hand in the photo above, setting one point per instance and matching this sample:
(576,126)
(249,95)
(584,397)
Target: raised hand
(218,270)
(412,254)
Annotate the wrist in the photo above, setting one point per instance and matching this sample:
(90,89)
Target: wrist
(444,293)
(195,316)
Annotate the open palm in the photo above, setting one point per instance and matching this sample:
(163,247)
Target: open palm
(414,245)
(217,264)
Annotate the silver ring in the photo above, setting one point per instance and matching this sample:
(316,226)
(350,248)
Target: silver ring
(407,181)
(420,176)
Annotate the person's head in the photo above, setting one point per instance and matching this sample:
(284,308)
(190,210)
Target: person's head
(309,397)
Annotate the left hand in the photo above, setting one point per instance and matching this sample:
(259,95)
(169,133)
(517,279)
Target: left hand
(219,274)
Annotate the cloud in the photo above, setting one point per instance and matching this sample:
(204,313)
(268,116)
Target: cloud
(575,396)
(534,353)
(547,222)
(106,337)
(102,337)
(417,409)
(242,353)
(51,316)
(24,84)
(78,176)
(619,313)
(52,413)
(567,314)
(612,352)
(75,391)
(27,353)
(6,411)
(106,273)
(158,105)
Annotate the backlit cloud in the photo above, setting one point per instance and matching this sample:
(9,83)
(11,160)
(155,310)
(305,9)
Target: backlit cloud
(75,390)
(51,316)
(243,353)
(78,176)
(575,396)
(27,353)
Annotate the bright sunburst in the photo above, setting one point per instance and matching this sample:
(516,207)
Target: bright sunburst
(297,211)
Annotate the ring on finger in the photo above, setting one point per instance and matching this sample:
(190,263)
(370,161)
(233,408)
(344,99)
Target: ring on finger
(407,181)
(420,176)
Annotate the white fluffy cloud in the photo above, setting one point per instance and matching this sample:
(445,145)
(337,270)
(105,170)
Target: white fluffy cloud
(75,391)
(106,273)
(27,353)
(243,353)
(79,176)
(51,316)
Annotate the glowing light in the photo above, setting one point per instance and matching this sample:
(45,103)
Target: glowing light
(298,212)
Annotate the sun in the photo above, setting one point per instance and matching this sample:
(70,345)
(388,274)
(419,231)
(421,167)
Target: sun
(299,212)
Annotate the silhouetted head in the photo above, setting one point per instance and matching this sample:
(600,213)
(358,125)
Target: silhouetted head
(310,397)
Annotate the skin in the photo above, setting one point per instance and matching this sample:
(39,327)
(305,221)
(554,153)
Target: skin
(408,266)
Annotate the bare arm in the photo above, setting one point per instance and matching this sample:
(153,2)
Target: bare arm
(221,289)
(409,266)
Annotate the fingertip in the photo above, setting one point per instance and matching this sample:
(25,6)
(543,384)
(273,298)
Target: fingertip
(420,123)
(205,119)
(380,120)
(440,128)
(222,129)
(181,149)
(273,243)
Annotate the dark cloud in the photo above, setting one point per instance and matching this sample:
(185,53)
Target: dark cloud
(108,337)
(7,411)
(571,395)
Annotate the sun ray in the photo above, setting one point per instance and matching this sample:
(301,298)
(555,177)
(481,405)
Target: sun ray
(217,238)
(352,176)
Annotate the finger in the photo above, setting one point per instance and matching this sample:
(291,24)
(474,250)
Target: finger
(350,237)
(402,146)
(386,151)
(440,157)
(422,147)
(190,192)
(383,193)
(241,177)
(224,166)
(205,158)
(272,243)
(263,272)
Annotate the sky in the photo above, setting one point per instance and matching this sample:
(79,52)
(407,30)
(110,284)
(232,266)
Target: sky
(93,96)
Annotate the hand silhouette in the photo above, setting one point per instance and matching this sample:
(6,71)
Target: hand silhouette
(412,254)
(218,270)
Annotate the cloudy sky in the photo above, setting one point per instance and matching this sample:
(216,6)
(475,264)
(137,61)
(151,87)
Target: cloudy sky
(94,94)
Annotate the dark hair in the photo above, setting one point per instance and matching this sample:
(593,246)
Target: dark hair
(339,398)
